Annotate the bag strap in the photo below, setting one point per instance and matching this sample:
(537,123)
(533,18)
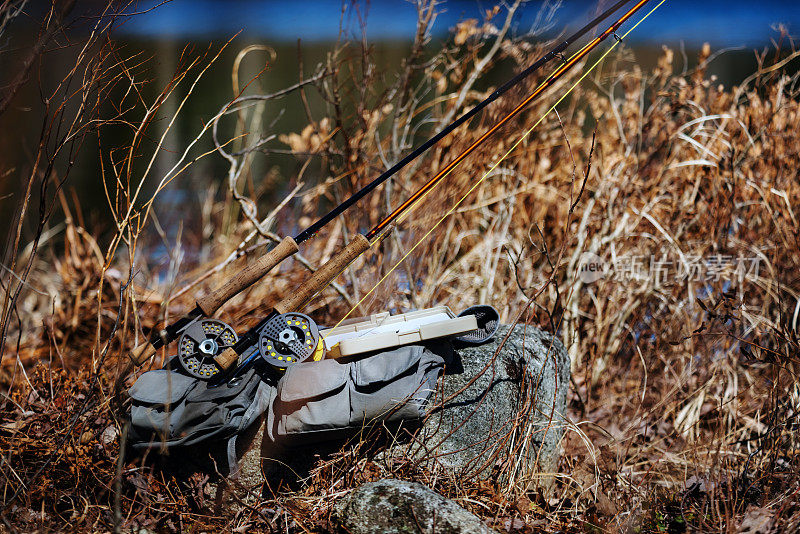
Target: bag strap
(488,321)
(260,404)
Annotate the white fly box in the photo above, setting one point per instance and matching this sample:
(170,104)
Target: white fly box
(383,331)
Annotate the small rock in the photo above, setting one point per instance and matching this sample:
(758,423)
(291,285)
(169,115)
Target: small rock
(109,435)
(757,521)
(390,505)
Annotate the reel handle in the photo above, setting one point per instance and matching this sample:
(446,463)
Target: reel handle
(323,276)
(141,353)
(247,276)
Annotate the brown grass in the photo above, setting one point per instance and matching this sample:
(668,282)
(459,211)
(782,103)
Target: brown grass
(684,395)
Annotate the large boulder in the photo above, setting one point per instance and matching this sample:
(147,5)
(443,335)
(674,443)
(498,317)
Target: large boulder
(498,414)
(502,413)
(391,506)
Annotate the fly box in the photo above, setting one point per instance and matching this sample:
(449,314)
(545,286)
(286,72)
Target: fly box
(383,331)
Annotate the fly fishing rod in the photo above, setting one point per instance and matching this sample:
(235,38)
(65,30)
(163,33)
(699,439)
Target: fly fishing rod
(190,324)
(285,336)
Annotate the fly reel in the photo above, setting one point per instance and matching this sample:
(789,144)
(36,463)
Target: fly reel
(289,338)
(199,344)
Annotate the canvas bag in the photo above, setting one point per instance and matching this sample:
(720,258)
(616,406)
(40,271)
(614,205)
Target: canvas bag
(171,410)
(328,399)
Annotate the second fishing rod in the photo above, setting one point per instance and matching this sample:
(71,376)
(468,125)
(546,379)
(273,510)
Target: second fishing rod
(284,313)
(209,304)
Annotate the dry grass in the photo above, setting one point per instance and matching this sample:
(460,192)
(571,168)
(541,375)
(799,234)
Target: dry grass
(684,395)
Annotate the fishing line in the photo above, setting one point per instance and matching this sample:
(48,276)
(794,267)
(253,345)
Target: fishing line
(207,305)
(494,166)
(414,205)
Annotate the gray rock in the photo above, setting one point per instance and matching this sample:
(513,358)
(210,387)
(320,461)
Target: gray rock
(503,415)
(396,506)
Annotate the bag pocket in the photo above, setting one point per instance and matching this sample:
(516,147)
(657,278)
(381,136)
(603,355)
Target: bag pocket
(157,398)
(389,386)
(212,411)
(312,397)
(161,386)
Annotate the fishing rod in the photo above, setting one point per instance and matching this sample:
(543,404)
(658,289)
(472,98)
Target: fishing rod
(206,306)
(284,336)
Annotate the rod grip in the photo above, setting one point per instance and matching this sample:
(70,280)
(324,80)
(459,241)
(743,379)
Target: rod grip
(141,353)
(324,275)
(226,358)
(247,276)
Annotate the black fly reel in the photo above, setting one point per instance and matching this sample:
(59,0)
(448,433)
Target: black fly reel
(289,338)
(200,342)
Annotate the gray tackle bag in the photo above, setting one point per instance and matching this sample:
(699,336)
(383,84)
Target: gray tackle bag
(170,410)
(312,401)
(331,399)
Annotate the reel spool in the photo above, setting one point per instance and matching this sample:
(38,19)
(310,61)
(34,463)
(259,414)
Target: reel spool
(200,343)
(289,338)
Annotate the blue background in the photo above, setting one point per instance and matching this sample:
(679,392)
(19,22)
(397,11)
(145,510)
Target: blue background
(721,23)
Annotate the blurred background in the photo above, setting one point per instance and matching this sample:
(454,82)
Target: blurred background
(718,22)
(165,34)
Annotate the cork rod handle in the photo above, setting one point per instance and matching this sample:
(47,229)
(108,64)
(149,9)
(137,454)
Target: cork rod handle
(226,358)
(142,353)
(247,276)
(321,278)
(324,275)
